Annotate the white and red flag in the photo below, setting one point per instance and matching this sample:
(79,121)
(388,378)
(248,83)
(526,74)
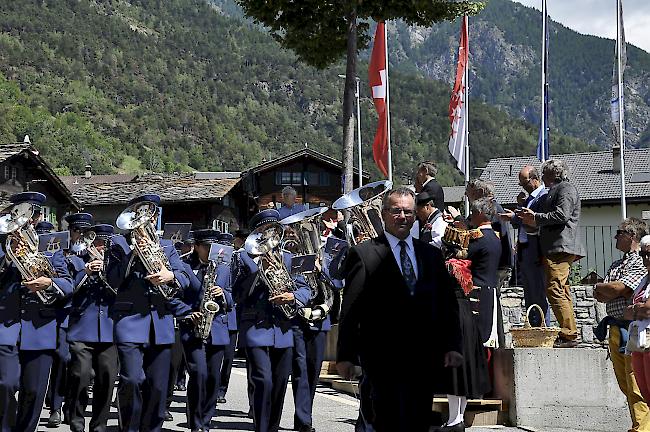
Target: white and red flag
(378,79)
(458,102)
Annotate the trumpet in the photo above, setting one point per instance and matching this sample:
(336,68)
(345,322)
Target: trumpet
(87,243)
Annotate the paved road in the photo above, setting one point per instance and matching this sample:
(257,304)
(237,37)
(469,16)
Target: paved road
(333,412)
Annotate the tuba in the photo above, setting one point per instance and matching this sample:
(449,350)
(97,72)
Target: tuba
(21,247)
(303,237)
(137,219)
(363,206)
(210,305)
(265,242)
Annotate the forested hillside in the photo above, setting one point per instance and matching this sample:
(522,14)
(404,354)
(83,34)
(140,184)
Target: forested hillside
(175,85)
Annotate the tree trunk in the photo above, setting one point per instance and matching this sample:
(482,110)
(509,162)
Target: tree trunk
(348,99)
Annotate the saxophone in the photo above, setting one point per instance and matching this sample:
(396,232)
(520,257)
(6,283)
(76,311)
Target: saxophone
(265,242)
(210,305)
(22,248)
(146,244)
(302,236)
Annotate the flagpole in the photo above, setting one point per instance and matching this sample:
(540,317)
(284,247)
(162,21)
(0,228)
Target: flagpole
(544,90)
(390,152)
(466,102)
(358,95)
(621,132)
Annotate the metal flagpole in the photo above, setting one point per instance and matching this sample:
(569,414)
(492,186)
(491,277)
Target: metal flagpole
(621,132)
(390,152)
(359,134)
(466,102)
(543,111)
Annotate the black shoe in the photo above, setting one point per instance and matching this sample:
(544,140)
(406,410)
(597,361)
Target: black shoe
(565,343)
(306,428)
(459,427)
(221,400)
(55,419)
(168,416)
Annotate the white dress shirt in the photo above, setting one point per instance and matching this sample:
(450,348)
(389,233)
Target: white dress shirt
(397,249)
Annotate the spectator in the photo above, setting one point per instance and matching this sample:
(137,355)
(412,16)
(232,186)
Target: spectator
(560,243)
(616,291)
(528,252)
(432,222)
(289,205)
(425,181)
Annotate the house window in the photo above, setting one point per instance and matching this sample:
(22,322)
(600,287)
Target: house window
(7,172)
(285,178)
(324,179)
(48,214)
(14,171)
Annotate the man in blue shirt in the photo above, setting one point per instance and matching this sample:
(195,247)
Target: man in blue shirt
(289,205)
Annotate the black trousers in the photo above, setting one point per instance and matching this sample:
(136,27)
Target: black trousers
(56,393)
(226,368)
(269,375)
(9,383)
(308,351)
(86,357)
(176,360)
(34,374)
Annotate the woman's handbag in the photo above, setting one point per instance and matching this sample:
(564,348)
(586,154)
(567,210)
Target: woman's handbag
(638,340)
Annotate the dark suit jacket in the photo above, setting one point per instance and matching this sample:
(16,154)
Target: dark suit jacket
(434,189)
(381,322)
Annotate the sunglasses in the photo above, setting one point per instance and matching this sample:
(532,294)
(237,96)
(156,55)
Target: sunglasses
(621,232)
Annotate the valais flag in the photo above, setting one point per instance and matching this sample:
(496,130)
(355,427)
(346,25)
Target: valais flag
(457,111)
(377,79)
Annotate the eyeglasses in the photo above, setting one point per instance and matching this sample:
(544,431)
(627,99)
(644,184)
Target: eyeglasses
(396,211)
(644,254)
(620,232)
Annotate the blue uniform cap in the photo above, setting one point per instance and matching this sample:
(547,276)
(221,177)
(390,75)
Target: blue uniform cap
(43,227)
(152,198)
(29,197)
(79,220)
(264,217)
(206,236)
(103,231)
(226,238)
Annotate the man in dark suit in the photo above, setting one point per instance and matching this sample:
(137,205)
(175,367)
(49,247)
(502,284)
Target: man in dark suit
(395,278)
(425,181)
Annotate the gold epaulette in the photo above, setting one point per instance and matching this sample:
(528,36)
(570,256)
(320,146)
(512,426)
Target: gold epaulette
(475,233)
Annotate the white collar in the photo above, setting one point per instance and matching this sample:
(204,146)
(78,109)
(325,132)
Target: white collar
(428,180)
(537,191)
(394,241)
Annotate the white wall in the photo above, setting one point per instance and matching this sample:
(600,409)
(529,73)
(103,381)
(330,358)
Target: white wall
(608,215)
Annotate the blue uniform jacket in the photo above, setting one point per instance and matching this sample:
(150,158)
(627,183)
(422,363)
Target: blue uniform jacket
(89,316)
(138,305)
(194,295)
(75,265)
(24,319)
(260,322)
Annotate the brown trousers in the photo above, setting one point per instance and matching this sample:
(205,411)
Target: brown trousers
(557,268)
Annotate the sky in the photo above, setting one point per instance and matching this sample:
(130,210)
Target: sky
(598,17)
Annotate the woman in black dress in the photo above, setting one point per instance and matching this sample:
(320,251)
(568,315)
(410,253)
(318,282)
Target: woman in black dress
(477,316)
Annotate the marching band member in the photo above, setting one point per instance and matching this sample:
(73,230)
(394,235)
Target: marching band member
(77,223)
(204,356)
(28,332)
(90,333)
(229,355)
(144,330)
(265,331)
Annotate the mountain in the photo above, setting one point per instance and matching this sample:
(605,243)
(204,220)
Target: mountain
(145,85)
(505,46)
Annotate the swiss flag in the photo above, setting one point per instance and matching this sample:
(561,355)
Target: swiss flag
(377,79)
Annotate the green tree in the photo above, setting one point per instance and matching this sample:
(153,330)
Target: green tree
(320,33)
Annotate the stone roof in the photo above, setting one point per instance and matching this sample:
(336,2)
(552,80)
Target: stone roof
(12,149)
(304,153)
(172,188)
(75,182)
(590,172)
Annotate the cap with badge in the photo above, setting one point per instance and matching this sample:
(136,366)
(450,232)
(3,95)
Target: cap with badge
(264,217)
(226,238)
(103,231)
(79,220)
(43,227)
(35,198)
(206,236)
(152,198)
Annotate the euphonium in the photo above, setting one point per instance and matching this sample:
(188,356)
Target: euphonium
(303,237)
(145,242)
(363,206)
(21,247)
(265,242)
(210,305)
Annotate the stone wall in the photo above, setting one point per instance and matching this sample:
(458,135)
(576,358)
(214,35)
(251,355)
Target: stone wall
(588,313)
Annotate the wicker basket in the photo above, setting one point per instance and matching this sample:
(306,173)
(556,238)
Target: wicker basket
(534,337)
